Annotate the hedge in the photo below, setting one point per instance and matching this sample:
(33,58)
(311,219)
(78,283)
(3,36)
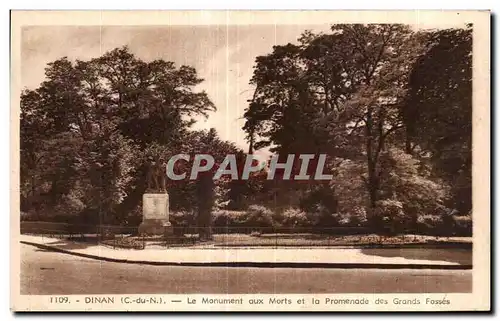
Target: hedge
(261,219)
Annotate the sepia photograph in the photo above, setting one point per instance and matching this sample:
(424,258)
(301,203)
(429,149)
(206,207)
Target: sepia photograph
(230,159)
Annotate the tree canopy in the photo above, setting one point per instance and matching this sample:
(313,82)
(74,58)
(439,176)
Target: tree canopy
(379,96)
(390,107)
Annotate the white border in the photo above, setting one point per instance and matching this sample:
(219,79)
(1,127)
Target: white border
(185,4)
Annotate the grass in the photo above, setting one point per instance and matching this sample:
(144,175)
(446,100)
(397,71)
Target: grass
(328,240)
(282,240)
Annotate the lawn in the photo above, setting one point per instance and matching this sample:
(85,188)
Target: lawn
(315,240)
(284,240)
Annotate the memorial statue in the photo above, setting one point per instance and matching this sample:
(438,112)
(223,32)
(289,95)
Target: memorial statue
(156,175)
(155,202)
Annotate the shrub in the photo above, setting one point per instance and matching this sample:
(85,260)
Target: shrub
(321,197)
(294,217)
(463,225)
(389,216)
(31,215)
(182,218)
(430,224)
(70,205)
(258,216)
(321,217)
(344,219)
(227,219)
(134,217)
(358,216)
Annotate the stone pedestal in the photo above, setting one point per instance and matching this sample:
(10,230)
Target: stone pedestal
(155,212)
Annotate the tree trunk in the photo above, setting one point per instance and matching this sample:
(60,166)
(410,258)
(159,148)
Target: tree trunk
(371,157)
(250,146)
(205,191)
(408,148)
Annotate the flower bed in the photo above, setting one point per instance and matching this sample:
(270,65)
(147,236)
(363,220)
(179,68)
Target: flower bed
(125,243)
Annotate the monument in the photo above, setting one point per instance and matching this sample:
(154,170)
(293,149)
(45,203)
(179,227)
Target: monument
(155,203)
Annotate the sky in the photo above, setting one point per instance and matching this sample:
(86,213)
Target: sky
(223,55)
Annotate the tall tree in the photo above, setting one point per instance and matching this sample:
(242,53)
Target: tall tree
(89,125)
(438,110)
(336,93)
(200,193)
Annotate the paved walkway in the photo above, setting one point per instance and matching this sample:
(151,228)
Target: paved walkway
(267,257)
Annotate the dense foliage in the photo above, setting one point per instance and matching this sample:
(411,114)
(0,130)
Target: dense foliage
(391,108)
(89,130)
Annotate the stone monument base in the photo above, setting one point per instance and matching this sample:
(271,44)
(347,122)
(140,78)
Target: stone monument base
(155,212)
(155,227)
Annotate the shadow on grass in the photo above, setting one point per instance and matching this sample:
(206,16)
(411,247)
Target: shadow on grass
(460,256)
